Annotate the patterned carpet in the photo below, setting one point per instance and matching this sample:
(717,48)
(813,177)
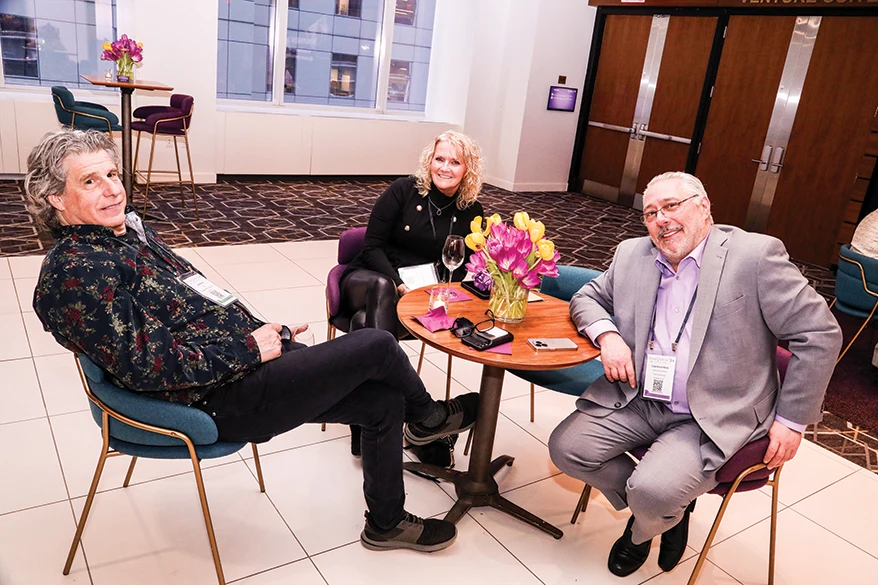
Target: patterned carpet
(257,210)
(586,230)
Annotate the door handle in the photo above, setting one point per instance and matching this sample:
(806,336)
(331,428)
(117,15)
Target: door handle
(766,158)
(777,160)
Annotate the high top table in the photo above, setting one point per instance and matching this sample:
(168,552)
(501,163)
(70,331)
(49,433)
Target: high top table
(547,318)
(127,89)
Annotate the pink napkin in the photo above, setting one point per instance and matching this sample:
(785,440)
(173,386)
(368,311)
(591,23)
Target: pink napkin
(456,296)
(505,349)
(436,319)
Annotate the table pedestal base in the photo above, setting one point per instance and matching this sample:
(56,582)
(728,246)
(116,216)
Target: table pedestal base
(472,494)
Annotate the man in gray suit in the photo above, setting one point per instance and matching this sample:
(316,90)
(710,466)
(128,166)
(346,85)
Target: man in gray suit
(688,321)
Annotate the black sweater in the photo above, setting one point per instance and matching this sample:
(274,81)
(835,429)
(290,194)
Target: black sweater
(400,232)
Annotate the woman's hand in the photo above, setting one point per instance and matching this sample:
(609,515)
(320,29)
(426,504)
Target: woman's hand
(403,289)
(268,341)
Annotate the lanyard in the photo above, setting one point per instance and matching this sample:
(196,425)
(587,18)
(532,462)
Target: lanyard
(682,327)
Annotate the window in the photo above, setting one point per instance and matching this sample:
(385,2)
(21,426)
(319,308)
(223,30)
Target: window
(244,49)
(328,52)
(53,43)
(343,76)
(348,8)
(405,12)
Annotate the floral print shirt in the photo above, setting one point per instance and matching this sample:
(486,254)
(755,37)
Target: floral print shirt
(119,300)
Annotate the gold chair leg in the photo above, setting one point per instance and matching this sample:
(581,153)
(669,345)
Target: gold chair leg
(775,485)
(211,537)
(448,380)
(531,402)
(863,326)
(134,169)
(421,358)
(89,500)
(191,174)
(149,174)
(130,472)
(582,504)
(179,171)
(258,468)
(719,516)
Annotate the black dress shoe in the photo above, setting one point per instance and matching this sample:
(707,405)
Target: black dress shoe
(674,542)
(625,556)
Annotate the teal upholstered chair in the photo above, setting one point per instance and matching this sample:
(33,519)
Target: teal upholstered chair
(139,426)
(82,115)
(574,380)
(856,288)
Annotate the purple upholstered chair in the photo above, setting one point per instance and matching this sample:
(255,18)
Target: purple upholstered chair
(744,472)
(349,245)
(174,120)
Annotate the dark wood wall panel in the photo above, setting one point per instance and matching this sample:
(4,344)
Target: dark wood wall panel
(828,138)
(603,159)
(623,49)
(749,73)
(660,156)
(681,76)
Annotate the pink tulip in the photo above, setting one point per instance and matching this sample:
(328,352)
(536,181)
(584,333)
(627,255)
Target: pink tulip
(531,279)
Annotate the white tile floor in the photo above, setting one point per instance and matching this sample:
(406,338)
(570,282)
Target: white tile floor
(305,528)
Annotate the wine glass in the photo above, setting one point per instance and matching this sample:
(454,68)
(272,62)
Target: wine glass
(453,253)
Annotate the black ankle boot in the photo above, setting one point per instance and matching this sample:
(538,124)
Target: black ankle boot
(625,556)
(674,542)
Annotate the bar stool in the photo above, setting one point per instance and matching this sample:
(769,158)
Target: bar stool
(174,120)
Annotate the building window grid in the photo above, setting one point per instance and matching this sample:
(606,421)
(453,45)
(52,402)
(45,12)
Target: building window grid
(315,37)
(245,33)
(34,48)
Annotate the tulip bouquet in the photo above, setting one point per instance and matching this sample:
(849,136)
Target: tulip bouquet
(125,52)
(510,260)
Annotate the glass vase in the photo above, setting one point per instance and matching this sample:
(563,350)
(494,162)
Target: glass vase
(124,70)
(508,302)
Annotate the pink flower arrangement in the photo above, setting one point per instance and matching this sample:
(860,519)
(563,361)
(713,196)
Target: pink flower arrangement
(125,52)
(515,255)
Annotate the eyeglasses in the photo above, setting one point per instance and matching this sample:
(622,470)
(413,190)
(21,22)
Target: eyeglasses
(667,209)
(463,327)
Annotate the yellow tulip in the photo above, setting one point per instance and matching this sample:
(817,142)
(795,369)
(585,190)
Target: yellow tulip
(536,230)
(475,241)
(476,224)
(491,221)
(107,46)
(521,220)
(546,249)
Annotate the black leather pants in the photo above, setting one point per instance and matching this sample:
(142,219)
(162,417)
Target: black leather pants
(370,298)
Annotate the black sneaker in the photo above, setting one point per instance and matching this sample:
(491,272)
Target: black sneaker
(462,413)
(412,532)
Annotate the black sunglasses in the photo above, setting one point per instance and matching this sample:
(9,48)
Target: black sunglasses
(463,327)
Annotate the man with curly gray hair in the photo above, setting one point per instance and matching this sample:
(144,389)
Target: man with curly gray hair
(112,290)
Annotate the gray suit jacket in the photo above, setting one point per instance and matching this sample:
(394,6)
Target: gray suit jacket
(749,296)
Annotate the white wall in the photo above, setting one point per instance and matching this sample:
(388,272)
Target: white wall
(493,63)
(522,48)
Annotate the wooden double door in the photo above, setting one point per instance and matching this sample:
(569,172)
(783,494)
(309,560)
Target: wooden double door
(772,113)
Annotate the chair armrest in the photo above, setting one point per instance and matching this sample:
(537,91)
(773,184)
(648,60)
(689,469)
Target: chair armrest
(92,105)
(104,114)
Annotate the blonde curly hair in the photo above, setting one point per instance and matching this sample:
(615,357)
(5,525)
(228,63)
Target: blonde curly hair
(471,156)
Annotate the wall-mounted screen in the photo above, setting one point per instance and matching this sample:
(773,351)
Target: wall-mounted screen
(562,98)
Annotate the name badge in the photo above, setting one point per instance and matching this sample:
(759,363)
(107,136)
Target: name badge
(207,289)
(659,379)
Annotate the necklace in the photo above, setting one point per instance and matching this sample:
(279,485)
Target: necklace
(438,209)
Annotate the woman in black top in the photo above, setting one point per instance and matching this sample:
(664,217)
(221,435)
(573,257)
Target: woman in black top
(407,227)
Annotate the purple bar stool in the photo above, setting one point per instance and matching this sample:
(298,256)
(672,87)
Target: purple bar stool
(744,472)
(174,120)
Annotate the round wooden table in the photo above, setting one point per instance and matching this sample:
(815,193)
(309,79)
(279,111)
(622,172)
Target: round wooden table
(547,318)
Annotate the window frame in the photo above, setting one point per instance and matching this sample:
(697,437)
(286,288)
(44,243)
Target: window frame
(384,45)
